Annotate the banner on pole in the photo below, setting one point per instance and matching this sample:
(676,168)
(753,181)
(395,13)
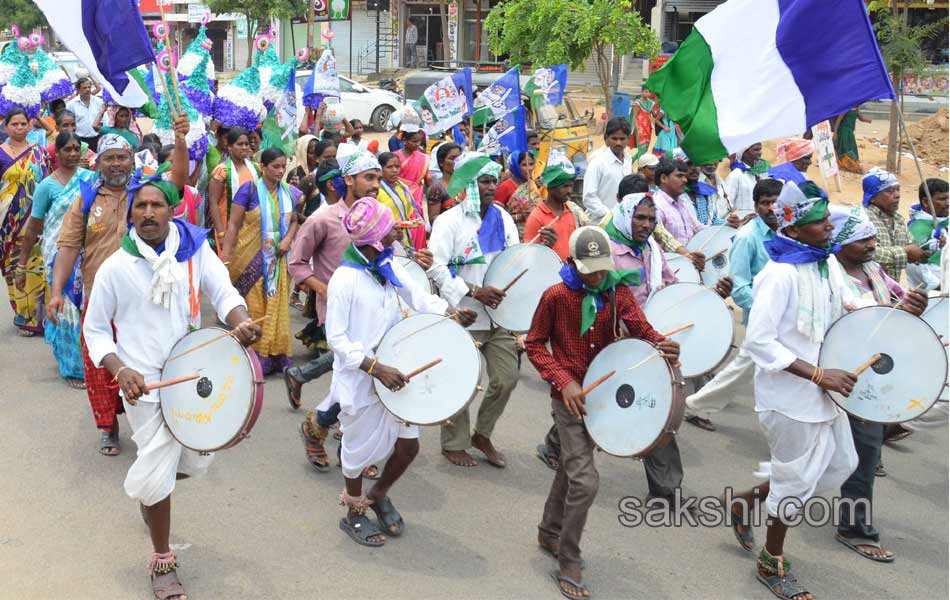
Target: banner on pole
(825,149)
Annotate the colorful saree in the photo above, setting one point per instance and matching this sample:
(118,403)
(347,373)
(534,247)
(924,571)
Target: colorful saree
(399,200)
(642,126)
(413,172)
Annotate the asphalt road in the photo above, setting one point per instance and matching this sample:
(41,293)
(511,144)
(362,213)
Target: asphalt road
(263,524)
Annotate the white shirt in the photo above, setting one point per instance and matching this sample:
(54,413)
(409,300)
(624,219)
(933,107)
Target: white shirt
(359,312)
(145,331)
(774,342)
(602,180)
(85,117)
(451,233)
(738,187)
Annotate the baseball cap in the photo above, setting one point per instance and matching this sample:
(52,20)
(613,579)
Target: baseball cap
(647,160)
(590,248)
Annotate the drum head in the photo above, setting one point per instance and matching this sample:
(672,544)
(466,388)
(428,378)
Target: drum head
(937,316)
(517,309)
(216,410)
(631,409)
(905,382)
(711,241)
(683,268)
(441,391)
(417,273)
(706,344)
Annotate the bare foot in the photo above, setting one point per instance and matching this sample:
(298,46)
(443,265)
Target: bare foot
(460,458)
(494,457)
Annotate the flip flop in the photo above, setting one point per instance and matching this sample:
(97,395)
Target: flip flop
(360,528)
(558,578)
(700,422)
(855,543)
(746,539)
(388,517)
(109,440)
(544,454)
(293,389)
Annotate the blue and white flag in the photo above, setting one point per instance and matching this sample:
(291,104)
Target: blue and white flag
(498,99)
(547,86)
(108,37)
(324,81)
(446,102)
(508,134)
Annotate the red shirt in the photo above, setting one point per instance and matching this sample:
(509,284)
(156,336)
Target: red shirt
(542,216)
(558,321)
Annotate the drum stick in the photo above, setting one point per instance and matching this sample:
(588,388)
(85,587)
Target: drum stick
(703,245)
(677,330)
(720,253)
(538,236)
(891,312)
(866,365)
(212,340)
(424,367)
(657,351)
(514,281)
(168,382)
(597,382)
(421,329)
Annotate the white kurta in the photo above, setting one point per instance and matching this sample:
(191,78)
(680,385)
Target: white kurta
(359,312)
(145,334)
(602,181)
(451,233)
(738,187)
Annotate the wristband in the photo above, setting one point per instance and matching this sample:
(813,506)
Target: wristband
(115,378)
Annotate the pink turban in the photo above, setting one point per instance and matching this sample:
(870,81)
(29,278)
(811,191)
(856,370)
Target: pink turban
(368,222)
(791,149)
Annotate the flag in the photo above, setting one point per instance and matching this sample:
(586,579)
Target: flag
(109,39)
(508,134)
(324,81)
(498,99)
(446,102)
(145,81)
(280,127)
(547,86)
(753,70)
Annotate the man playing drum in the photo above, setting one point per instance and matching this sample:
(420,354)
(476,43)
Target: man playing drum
(857,237)
(796,298)
(368,282)
(746,258)
(149,292)
(578,318)
(465,239)
(556,218)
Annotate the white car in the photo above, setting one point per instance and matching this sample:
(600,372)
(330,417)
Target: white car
(372,106)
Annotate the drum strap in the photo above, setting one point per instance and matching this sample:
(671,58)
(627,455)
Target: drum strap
(618,327)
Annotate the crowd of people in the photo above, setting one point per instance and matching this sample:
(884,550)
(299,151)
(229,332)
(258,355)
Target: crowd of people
(104,226)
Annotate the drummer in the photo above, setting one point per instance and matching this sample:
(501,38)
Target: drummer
(572,320)
(465,239)
(796,298)
(711,207)
(746,258)
(368,282)
(555,219)
(146,291)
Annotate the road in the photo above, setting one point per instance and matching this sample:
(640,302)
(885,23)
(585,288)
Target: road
(263,524)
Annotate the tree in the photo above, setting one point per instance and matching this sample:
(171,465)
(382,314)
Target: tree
(901,47)
(256,11)
(23,13)
(546,32)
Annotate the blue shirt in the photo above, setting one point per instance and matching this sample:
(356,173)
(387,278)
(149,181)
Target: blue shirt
(746,258)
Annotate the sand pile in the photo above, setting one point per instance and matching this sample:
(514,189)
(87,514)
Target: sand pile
(930,137)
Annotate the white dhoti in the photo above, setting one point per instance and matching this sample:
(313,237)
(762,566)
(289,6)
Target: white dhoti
(808,459)
(369,436)
(160,456)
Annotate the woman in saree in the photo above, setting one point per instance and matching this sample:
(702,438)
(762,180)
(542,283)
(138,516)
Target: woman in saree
(260,232)
(642,123)
(437,196)
(846,145)
(22,166)
(666,138)
(52,198)
(228,177)
(527,195)
(305,160)
(414,170)
(395,195)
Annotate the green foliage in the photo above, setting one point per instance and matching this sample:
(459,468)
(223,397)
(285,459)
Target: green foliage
(901,44)
(545,32)
(23,13)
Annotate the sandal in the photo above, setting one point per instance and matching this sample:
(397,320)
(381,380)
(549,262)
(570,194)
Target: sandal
(855,544)
(547,457)
(580,587)
(293,389)
(109,443)
(895,433)
(388,517)
(313,445)
(745,538)
(360,528)
(371,472)
(163,572)
(700,422)
(26,333)
(76,384)
(780,581)
(879,470)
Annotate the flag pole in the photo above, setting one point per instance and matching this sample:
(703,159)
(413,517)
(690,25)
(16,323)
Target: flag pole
(172,60)
(920,171)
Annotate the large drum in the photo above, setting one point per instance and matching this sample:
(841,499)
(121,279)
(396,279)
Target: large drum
(908,377)
(219,409)
(417,273)
(441,391)
(683,268)
(640,407)
(705,345)
(714,242)
(937,316)
(538,267)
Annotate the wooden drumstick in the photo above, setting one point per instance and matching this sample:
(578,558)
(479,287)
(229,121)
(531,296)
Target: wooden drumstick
(657,352)
(424,367)
(514,281)
(703,245)
(162,384)
(597,382)
(212,340)
(677,330)
(538,236)
(893,310)
(867,365)
(718,254)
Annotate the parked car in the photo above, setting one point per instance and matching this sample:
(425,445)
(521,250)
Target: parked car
(372,106)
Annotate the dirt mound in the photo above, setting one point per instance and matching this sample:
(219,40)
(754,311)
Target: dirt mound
(930,137)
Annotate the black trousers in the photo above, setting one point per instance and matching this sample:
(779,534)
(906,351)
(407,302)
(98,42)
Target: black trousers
(868,438)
